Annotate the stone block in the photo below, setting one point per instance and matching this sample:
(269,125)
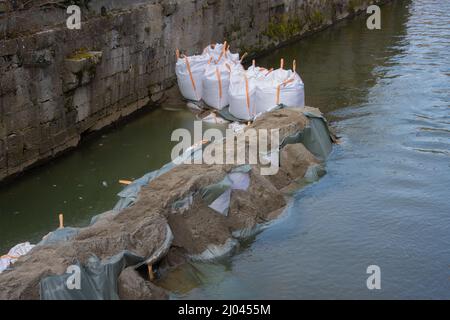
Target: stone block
(47,110)
(38,59)
(14,143)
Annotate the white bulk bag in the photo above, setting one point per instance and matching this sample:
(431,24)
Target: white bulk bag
(233,57)
(242,94)
(214,50)
(254,72)
(215,85)
(220,54)
(292,89)
(236,67)
(14,254)
(279,87)
(190,72)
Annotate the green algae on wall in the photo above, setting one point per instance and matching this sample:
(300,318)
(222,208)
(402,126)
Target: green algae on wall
(284,29)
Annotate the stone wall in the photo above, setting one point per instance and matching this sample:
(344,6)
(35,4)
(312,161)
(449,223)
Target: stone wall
(56,83)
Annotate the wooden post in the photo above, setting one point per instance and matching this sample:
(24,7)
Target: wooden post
(125,182)
(243,56)
(61,221)
(151,275)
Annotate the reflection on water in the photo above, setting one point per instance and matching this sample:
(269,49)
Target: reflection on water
(385,199)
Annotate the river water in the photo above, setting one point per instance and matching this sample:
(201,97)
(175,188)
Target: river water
(385,200)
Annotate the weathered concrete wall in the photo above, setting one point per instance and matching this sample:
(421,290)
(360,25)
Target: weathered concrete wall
(56,83)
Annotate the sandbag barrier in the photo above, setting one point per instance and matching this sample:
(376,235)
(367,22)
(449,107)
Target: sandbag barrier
(218,79)
(200,211)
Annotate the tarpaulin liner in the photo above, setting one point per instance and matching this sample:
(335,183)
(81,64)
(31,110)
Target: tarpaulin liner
(218,195)
(225,113)
(129,194)
(314,173)
(59,235)
(182,205)
(214,252)
(316,137)
(98,279)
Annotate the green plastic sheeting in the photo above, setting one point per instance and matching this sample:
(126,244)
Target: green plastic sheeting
(316,137)
(98,280)
(218,195)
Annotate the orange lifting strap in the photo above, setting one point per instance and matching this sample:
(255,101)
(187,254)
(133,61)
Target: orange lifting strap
(125,182)
(220,82)
(243,57)
(190,74)
(279,89)
(247,95)
(7,256)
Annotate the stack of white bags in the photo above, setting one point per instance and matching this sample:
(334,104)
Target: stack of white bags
(218,78)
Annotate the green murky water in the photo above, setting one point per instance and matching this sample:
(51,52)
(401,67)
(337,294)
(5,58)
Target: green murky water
(85,182)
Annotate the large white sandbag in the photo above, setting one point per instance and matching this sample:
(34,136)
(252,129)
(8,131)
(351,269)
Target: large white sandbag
(215,85)
(190,72)
(214,50)
(233,57)
(254,72)
(236,67)
(220,53)
(14,254)
(279,87)
(292,94)
(292,90)
(242,94)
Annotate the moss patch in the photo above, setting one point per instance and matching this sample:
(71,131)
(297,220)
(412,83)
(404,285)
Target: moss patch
(317,18)
(283,30)
(81,54)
